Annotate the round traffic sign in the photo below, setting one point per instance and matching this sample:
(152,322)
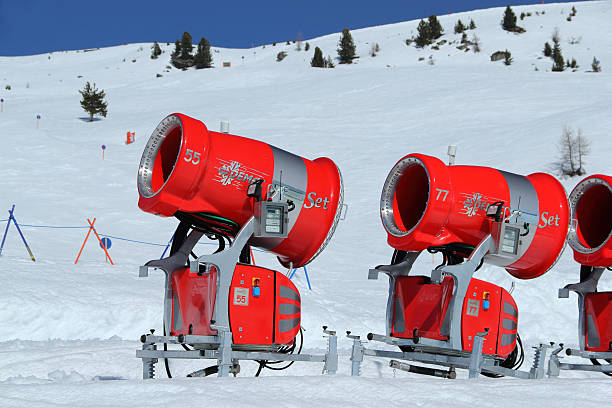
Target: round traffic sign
(106,243)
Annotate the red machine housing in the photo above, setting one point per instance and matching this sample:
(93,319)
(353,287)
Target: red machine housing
(186,167)
(426,203)
(598,321)
(591,230)
(264,305)
(420,308)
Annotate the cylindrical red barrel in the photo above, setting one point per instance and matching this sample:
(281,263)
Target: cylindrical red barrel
(427,203)
(591,230)
(185,167)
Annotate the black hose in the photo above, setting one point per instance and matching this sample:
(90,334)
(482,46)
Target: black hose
(596,362)
(165,359)
(514,361)
(398,256)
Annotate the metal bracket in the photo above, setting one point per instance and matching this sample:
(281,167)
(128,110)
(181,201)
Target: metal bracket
(331,357)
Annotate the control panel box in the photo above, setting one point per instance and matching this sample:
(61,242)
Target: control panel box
(271,219)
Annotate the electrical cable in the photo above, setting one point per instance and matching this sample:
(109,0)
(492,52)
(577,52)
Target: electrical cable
(285,350)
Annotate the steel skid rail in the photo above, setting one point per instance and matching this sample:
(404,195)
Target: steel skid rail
(589,279)
(447,353)
(219,347)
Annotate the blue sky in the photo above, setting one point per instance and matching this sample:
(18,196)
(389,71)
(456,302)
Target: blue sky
(40,26)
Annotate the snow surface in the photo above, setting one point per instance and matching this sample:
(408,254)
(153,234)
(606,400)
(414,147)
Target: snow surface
(69,332)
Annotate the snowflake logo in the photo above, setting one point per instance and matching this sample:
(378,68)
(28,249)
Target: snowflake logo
(227,172)
(473,204)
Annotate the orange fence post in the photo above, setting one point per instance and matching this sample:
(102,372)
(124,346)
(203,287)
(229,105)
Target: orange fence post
(83,246)
(100,241)
(92,228)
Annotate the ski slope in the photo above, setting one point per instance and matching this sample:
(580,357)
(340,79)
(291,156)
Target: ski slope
(69,332)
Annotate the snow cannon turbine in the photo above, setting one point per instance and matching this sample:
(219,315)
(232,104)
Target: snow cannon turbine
(240,193)
(590,238)
(470,215)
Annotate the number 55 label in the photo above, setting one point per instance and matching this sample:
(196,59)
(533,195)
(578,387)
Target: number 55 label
(241,296)
(191,156)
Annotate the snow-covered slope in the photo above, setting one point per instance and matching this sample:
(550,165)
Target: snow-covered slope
(66,326)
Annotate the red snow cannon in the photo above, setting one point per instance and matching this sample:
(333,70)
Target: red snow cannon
(426,203)
(589,237)
(188,169)
(591,230)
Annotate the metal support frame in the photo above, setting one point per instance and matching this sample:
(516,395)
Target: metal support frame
(474,361)
(589,279)
(219,347)
(447,353)
(222,350)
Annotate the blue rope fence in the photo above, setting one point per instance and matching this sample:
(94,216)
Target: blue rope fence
(107,235)
(138,241)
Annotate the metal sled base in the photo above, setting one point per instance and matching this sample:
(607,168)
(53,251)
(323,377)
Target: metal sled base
(555,365)
(589,279)
(433,352)
(220,348)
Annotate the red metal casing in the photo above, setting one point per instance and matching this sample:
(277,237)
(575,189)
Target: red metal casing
(424,305)
(425,203)
(270,317)
(591,230)
(598,321)
(420,306)
(501,318)
(193,302)
(186,167)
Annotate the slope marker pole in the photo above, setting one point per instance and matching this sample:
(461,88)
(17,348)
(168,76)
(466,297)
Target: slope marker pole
(305,273)
(167,246)
(8,223)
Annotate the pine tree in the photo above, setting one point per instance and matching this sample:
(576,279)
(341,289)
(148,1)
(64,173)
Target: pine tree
(472,24)
(203,59)
(595,65)
(93,101)
(424,37)
(181,57)
(508,58)
(306,47)
(557,57)
(177,49)
(509,22)
(547,50)
(459,27)
(435,27)
(156,51)
(317,60)
(346,50)
(186,46)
